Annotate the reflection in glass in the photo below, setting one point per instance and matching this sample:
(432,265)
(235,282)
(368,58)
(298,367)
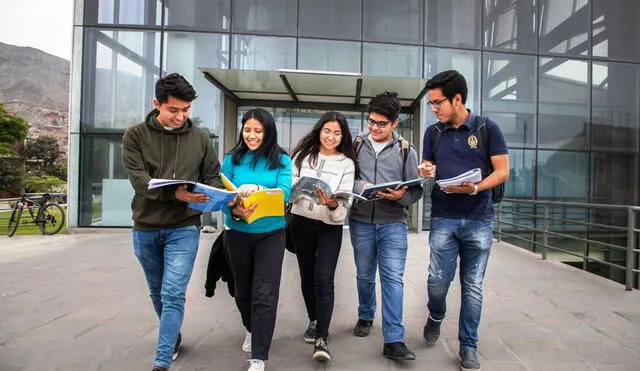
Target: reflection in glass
(616,31)
(185,53)
(123,12)
(384,60)
(325,55)
(468,63)
(508,93)
(563,175)
(510,24)
(615,112)
(200,14)
(275,17)
(397,21)
(444,17)
(335,19)
(615,178)
(563,103)
(120,70)
(263,53)
(522,174)
(565,27)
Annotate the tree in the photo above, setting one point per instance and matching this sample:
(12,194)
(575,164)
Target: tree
(45,150)
(12,129)
(43,184)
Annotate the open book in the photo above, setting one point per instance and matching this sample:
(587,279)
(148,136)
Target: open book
(369,193)
(218,198)
(270,201)
(307,185)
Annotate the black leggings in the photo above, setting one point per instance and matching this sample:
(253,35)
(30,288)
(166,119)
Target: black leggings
(317,249)
(256,263)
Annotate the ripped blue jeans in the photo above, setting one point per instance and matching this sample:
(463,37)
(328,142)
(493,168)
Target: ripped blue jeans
(471,241)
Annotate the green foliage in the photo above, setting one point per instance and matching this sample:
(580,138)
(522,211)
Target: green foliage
(43,184)
(12,129)
(45,150)
(59,170)
(11,174)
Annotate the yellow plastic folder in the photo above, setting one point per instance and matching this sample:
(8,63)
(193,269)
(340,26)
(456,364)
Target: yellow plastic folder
(270,201)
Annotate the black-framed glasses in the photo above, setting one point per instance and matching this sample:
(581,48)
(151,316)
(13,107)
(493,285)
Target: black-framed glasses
(437,103)
(381,124)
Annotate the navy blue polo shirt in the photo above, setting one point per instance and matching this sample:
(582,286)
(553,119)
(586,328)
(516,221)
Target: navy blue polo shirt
(459,151)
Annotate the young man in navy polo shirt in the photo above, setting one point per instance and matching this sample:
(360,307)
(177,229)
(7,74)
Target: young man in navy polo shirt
(461,217)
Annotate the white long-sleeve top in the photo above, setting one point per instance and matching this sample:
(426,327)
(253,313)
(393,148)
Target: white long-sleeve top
(327,168)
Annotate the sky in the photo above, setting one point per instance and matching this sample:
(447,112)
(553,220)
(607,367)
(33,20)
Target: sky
(42,24)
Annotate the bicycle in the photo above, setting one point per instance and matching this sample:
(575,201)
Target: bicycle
(49,218)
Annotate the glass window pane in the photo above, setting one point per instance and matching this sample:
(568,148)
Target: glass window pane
(325,55)
(263,53)
(508,93)
(275,17)
(563,103)
(201,14)
(468,63)
(510,24)
(563,175)
(120,70)
(522,174)
(123,12)
(393,21)
(444,17)
(185,53)
(615,178)
(382,60)
(335,19)
(616,30)
(564,27)
(615,112)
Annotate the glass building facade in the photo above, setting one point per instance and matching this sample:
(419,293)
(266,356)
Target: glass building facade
(561,77)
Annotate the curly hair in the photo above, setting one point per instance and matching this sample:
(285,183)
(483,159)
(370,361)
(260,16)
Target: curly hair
(174,85)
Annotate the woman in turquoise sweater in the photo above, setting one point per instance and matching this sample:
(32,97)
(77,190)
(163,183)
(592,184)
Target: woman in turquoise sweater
(256,250)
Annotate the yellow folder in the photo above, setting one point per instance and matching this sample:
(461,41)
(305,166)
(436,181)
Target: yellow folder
(270,201)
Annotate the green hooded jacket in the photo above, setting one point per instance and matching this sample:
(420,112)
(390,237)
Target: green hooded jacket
(150,151)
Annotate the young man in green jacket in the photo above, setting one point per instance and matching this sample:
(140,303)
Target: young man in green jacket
(166,231)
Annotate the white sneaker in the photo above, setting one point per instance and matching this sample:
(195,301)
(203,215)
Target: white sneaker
(246,346)
(256,365)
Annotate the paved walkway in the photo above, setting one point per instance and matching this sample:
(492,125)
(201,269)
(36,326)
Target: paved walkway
(79,302)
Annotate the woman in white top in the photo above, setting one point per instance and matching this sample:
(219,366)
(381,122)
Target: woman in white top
(317,222)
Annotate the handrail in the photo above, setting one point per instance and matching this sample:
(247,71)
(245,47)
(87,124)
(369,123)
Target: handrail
(544,225)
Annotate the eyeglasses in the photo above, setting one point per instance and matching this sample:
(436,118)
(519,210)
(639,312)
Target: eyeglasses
(328,132)
(437,103)
(381,124)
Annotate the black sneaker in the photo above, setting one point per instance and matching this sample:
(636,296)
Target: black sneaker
(158,368)
(321,350)
(398,351)
(431,331)
(176,349)
(469,360)
(310,333)
(363,328)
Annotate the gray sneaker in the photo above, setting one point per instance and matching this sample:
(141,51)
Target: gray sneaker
(310,333)
(469,360)
(431,331)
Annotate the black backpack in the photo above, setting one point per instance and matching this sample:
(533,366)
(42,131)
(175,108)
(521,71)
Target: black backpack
(497,192)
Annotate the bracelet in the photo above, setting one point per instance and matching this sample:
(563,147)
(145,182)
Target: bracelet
(475,190)
(236,217)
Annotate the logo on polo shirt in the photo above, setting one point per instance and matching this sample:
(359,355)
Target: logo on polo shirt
(473,141)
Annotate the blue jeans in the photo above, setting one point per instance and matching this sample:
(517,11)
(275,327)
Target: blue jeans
(471,240)
(383,245)
(167,258)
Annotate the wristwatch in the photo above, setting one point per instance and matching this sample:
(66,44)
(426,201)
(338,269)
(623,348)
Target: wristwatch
(475,190)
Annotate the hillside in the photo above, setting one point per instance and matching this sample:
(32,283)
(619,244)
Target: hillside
(35,85)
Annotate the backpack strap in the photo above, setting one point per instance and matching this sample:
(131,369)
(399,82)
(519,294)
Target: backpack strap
(434,136)
(404,145)
(357,145)
(482,130)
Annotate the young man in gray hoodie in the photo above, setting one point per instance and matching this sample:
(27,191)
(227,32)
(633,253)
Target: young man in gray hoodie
(379,228)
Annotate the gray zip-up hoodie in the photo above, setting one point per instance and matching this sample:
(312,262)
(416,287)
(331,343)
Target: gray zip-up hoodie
(386,167)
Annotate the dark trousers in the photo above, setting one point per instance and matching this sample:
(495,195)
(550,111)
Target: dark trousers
(317,249)
(256,263)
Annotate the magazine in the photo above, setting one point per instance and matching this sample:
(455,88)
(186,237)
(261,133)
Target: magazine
(369,193)
(307,185)
(218,198)
(270,201)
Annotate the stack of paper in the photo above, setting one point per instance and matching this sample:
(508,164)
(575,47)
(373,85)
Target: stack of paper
(471,176)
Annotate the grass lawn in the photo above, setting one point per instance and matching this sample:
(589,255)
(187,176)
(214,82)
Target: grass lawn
(29,227)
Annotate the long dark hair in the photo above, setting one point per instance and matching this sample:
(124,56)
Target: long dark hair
(309,145)
(269,149)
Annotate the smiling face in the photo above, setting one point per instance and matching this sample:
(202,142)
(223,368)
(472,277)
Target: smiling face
(253,134)
(173,113)
(380,127)
(330,137)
